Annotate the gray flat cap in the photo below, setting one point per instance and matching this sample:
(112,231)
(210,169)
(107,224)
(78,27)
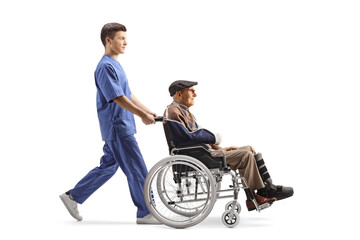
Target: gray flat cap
(180,85)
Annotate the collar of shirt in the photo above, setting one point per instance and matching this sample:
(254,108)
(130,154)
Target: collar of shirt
(182,106)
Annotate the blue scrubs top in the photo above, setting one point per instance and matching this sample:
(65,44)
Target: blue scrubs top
(111,82)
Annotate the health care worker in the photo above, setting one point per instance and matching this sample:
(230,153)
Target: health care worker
(116,106)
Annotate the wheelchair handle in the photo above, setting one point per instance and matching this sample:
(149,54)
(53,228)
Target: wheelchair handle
(159,119)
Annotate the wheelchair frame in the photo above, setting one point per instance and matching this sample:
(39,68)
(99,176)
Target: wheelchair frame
(180,190)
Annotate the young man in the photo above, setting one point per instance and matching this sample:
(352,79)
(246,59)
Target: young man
(244,159)
(116,106)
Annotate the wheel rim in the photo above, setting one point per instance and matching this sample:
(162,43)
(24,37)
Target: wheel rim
(230,205)
(230,222)
(164,194)
(180,204)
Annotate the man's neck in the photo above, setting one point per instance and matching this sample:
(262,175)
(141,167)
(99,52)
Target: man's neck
(181,105)
(111,54)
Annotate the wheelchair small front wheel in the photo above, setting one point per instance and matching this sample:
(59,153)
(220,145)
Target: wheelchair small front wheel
(229,205)
(230,221)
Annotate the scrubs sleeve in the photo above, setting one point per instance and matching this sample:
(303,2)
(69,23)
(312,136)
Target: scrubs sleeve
(108,83)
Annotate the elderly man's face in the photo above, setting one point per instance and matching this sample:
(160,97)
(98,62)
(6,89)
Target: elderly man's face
(187,96)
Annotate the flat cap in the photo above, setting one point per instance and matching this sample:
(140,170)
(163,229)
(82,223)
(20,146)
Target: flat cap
(180,85)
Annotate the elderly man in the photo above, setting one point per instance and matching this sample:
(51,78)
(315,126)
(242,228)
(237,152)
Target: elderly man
(244,159)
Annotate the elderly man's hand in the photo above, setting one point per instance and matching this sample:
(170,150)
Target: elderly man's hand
(217,147)
(228,148)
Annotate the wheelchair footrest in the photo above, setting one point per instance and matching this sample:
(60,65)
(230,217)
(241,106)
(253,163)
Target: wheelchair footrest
(264,206)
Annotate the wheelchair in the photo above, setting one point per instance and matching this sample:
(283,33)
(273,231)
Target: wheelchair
(181,189)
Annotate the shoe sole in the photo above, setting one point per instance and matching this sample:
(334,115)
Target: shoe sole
(71,213)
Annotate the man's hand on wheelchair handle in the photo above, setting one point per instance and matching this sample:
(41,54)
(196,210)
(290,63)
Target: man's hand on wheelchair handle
(147,119)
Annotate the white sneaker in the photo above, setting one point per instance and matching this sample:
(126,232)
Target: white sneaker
(148,219)
(71,206)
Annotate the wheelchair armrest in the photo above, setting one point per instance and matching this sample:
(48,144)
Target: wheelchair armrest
(198,146)
(202,153)
(191,147)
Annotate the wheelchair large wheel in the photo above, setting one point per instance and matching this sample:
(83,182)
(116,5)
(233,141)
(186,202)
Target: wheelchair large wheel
(166,194)
(180,191)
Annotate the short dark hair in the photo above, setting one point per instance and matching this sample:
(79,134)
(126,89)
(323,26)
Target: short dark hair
(109,30)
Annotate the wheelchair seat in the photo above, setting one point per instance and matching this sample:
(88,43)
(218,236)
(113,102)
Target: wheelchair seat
(200,152)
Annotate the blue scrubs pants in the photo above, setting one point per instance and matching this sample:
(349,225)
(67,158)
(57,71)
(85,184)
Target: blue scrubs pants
(123,152)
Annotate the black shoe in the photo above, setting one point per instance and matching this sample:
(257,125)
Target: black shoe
(275,191)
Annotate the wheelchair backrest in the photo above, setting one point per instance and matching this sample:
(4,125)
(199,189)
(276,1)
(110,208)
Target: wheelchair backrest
(168,136)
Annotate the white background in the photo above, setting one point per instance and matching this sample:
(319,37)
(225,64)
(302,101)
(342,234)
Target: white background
(278,75)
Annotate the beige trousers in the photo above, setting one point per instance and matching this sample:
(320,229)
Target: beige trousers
(243,160)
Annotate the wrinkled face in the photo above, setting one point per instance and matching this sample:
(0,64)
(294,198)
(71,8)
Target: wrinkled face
(118,43)
(187,96)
